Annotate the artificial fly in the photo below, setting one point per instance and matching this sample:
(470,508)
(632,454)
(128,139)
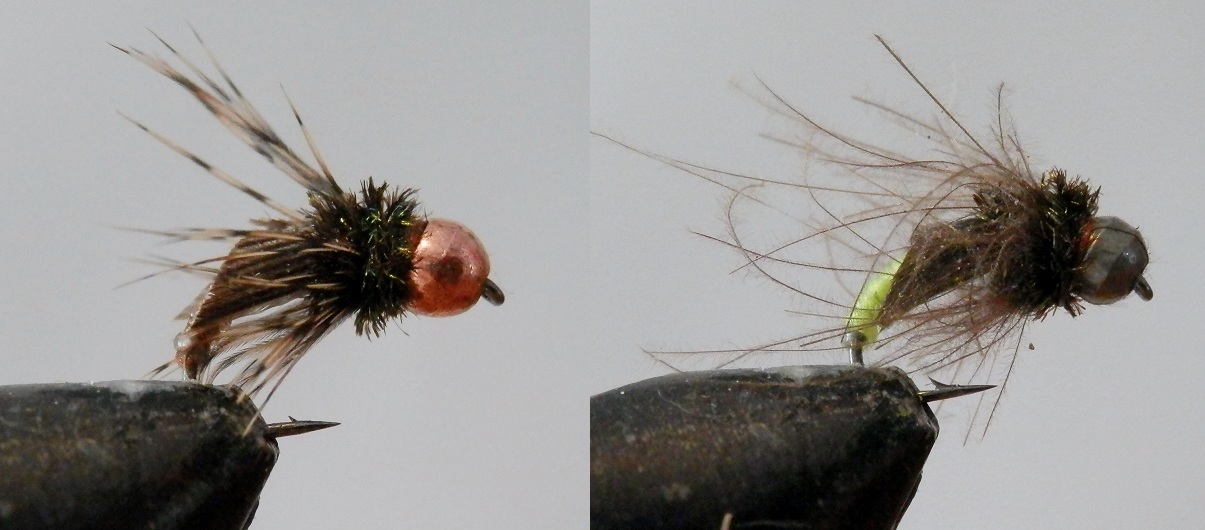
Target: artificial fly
(289,280)
(949,257)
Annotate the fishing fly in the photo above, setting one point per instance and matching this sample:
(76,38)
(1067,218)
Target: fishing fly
(290,279)
(949,254)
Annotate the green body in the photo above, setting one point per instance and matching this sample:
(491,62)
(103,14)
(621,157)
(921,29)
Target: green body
(864,318)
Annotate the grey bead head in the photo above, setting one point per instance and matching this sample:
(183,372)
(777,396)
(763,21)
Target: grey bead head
(1114,263)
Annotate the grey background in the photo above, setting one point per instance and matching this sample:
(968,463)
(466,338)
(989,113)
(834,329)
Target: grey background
(1102,423)
(481,420)
(474,421)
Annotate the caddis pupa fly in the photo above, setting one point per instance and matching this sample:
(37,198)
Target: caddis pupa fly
(946,256)
(368,254)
